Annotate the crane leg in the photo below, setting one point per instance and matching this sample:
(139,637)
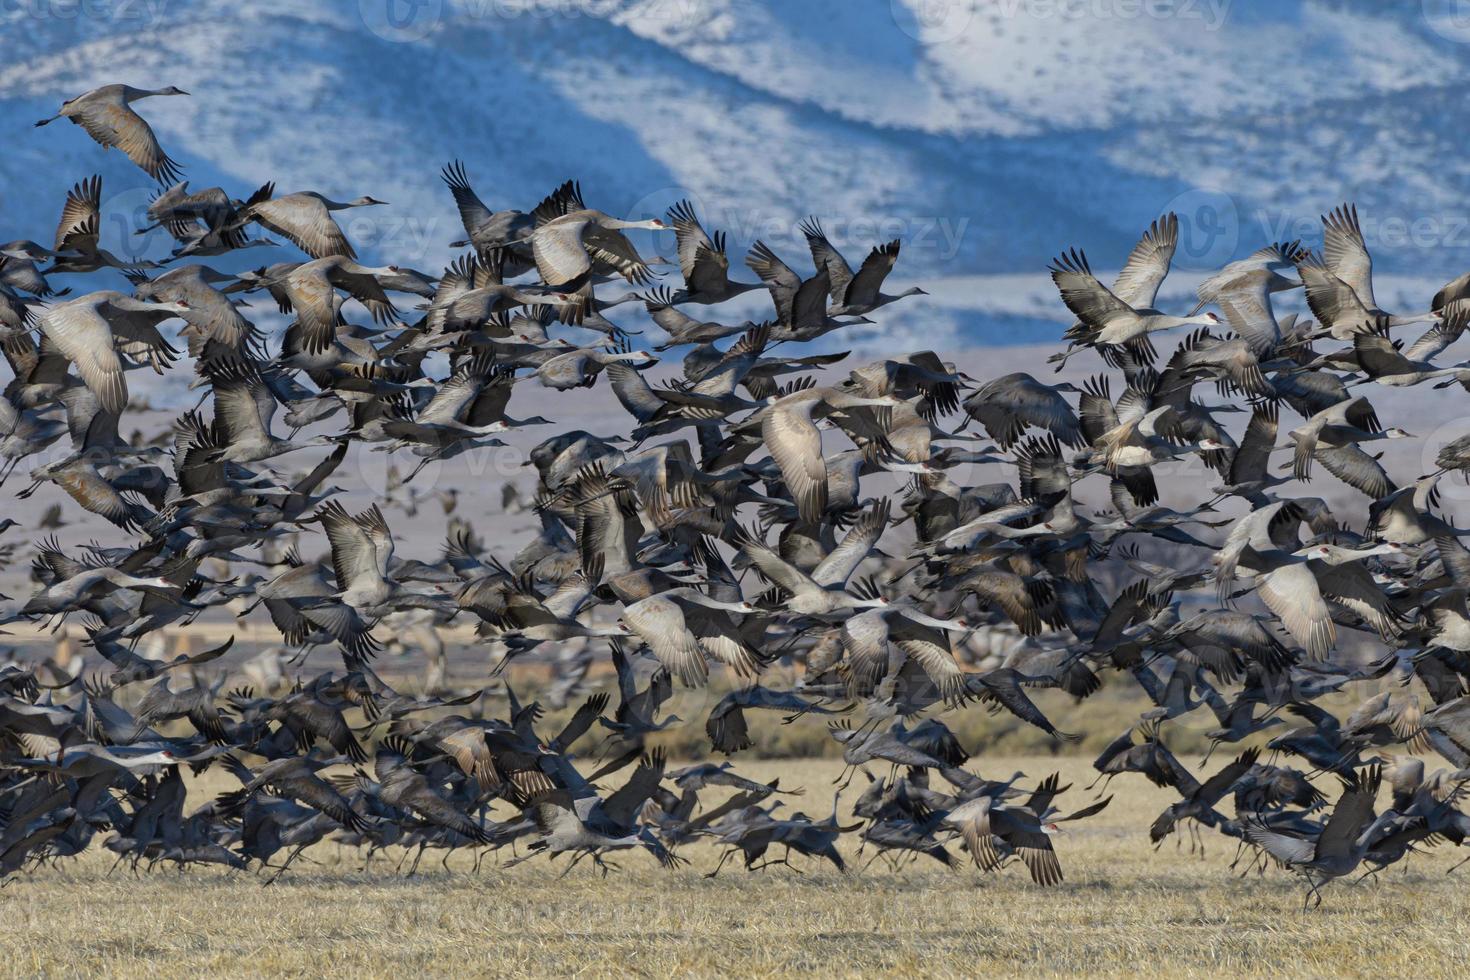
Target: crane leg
(282,869)
(723,858)
(416,859)
(575,858)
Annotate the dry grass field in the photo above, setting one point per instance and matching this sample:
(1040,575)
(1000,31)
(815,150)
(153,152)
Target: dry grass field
(1124,909)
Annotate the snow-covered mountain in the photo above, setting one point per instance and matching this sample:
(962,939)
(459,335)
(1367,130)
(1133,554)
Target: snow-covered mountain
(988,134)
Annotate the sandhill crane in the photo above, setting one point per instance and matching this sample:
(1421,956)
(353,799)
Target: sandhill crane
(801,304)
(107,115)
(1242,290)
(296,778)
(1105,320)
(309,289)
(578,367)
(77,249)
(1145,437)
(507,231)
(1339,283)
(303,218)
(201,222)
(1200,798)
(865,744)
(572,242)
(195,703)
(854,294)
(1006,406)
(726,724)
(244,407)
(702,261)
(677,626)
(401,786)
(20,270)
(1137,284)
(1332,437)
(583,824)
(821,592)
(682,328)
(1385,363)
(637,711)
(472,292)
(131,668)
(982,820)
(210,314)
(921,637)
(1337,849)
(89,330)
(24,432)
(1291,580)
(90,759)
(794,442)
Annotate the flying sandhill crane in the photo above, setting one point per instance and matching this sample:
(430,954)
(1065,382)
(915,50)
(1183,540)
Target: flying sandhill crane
(821,592)
(201,222)
(702,261)
(1104,319)
(506,231)
(1339,283)
(401,786)
(107,115)
(309,289)
(1331,437)
(1292,580)
(1137,285)
(1337,849)
(1200,798)
(801,304)
(77,249)
(682,625)
(210,315)
(1242,290)
(854,294)
(20,270)
(472,291)
(89,331)
(303,218)
(1382,361)
(582,824)
(572,243)
(794,442)
(727,727)
(982,820)
(1006,406)
(296,778)
(243,409)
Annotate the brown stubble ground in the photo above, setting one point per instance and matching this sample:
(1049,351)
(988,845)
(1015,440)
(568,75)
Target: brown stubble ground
(1125,908)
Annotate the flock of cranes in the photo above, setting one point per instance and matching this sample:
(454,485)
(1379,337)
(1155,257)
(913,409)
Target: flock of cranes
(724,530)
